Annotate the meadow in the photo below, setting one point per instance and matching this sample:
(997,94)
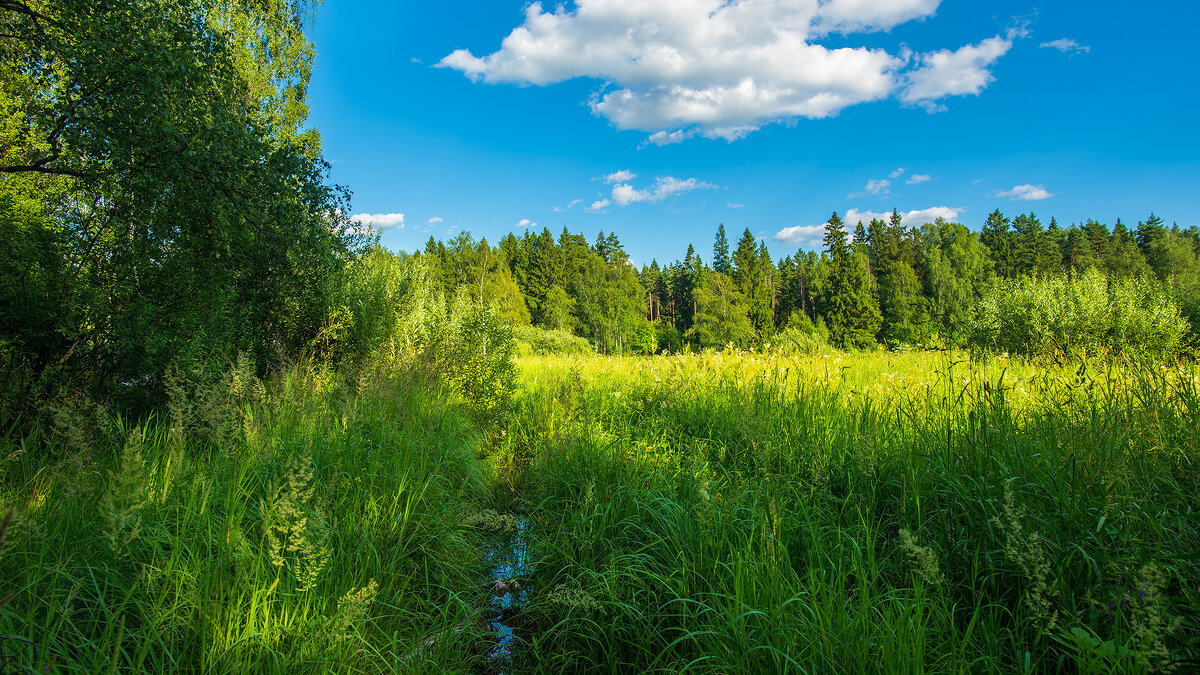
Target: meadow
(877,512)
(715,512)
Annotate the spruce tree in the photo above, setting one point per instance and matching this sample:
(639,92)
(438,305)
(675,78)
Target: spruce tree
(851,311)
(999,240)
(721,262)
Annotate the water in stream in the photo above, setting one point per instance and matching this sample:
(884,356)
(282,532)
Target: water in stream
(507,555)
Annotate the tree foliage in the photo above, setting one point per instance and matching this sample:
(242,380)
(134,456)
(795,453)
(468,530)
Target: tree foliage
(161,201)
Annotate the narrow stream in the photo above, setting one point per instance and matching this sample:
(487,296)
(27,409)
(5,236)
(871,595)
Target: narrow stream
(507,555)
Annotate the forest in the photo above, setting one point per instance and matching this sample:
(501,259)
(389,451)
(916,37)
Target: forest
(884,285)
(239,435)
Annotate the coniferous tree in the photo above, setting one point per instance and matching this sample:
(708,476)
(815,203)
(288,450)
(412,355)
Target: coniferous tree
(721,262)
(861,240)
(999,240)
(1078,255)
(683,284)
(851,311)
(1149,231)
(1126,258)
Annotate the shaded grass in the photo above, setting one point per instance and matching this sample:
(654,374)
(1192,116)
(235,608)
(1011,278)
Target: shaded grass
(319,532)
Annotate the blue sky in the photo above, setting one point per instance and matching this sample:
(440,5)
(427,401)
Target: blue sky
(660,120)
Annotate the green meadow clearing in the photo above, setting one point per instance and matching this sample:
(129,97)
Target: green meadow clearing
(722,512)
(249,427)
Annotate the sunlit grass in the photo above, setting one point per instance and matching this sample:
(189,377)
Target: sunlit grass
(850,513)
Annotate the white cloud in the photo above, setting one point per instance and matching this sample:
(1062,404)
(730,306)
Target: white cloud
(735,206)
(958,73)
(1067,46)
(856,16)
(434,220)
(680,68)
(1020,27)
(875,187)
(380,220)
(622,176)
(918,178)
(525,222)
(915,218)
(625,194)
(803,236)
(661,138)
(599,205)
(1026,193)
(897,173)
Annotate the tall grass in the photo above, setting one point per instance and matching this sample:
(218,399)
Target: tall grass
(725,513)
(705,513)
(305,524)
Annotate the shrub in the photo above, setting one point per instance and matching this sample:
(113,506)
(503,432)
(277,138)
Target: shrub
(1084,314)
(531,340)
(801,337)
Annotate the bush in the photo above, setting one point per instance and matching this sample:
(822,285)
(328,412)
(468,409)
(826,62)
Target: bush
(1085,314)
(531,340)
(801,337)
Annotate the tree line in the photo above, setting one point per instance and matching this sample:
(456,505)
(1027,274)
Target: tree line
(881,283)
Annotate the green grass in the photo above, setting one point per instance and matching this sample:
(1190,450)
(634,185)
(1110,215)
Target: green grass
(713,513)
(312,526)
(741,514)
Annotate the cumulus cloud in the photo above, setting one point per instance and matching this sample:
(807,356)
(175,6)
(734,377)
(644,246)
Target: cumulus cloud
(1026,193)
(599,205)
(681,68)
(1066,46)
(434,220)
(918,178)
(803,236)
(897,173)
(380,220)
(525,222)
(953,73)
